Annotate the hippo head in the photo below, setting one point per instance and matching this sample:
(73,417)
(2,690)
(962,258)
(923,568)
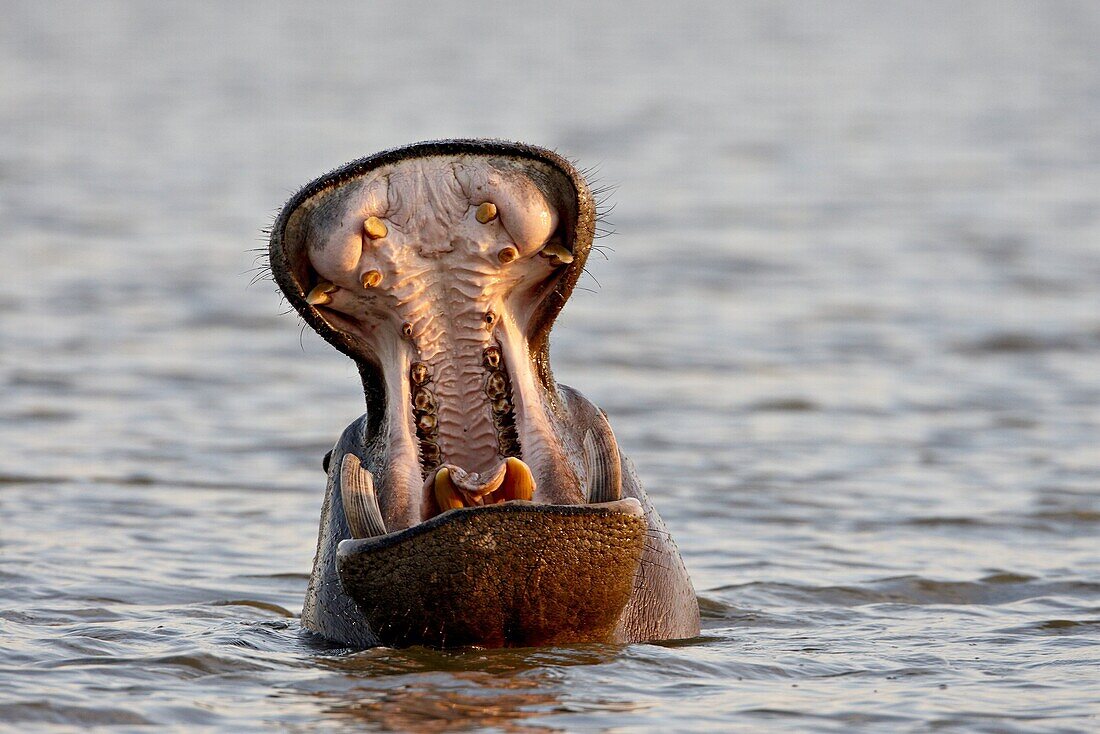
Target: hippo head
(477,501)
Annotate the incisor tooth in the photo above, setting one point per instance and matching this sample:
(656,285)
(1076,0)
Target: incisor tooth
(375,228)
(371,278)
(519,483)
(445,495)
(486,213)
(557,254)
(321,295)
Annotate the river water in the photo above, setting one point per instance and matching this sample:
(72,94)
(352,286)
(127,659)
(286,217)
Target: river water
(848,328)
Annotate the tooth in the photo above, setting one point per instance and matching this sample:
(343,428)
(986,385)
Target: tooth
(375,228)
(321,295)
(359,500)
(601,458)
(492,357)
(495,385)
(430,451)
(518,484)
(501,406)
(486,213)
(423,400)
(407,329)
(419,373)
(426,422)
(371,278)
(557,254)
(445,495)
(507,255)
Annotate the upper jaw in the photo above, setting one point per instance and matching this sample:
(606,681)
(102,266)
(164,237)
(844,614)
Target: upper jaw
(446,305)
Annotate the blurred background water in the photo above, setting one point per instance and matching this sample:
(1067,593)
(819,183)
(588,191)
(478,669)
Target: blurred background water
(848,329)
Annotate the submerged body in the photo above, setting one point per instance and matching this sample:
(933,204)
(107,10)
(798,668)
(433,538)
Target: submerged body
(477,501)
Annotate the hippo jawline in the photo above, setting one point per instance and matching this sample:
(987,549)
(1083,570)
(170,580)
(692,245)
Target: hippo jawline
(507,574)
(477,501)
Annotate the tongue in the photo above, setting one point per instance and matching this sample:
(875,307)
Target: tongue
(454,487)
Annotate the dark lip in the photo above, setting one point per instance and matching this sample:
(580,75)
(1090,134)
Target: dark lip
(356,546)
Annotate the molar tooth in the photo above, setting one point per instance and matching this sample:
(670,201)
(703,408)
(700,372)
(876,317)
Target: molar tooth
(359,499)
(557,254)
(375,228)
(407,329)
(430,451)
(371,278)
(495,385)
(423,400)
(519,483)
(492,357)
(445,495)
(419,373)
(507,255)
(486,213)
(501,406)
(426,423)
(321,295)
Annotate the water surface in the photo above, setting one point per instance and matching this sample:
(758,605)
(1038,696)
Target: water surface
(848,328)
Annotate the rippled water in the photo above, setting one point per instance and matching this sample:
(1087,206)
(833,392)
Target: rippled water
(849,331)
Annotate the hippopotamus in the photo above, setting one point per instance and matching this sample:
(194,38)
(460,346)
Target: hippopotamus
(477,502)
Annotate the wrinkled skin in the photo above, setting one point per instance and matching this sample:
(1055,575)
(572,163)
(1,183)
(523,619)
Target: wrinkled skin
(477,501)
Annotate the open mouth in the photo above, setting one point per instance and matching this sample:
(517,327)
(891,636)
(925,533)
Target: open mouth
(480,502)
(440,271)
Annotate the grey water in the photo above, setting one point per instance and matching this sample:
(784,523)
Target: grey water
(847,327)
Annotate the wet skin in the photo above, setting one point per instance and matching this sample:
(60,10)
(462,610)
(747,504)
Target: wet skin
(477,501)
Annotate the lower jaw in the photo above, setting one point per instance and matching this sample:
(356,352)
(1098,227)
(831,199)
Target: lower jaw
(508,574)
